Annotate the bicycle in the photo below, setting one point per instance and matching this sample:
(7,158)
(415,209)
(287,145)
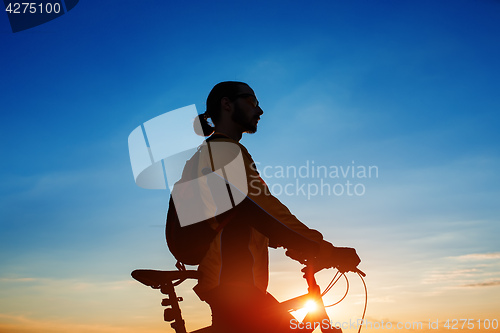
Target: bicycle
(166,281)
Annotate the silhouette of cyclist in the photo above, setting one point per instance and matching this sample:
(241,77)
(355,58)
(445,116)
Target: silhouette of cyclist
(234,271)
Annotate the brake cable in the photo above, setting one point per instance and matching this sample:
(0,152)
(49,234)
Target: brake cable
(334,281)
(330,287)
(366,302)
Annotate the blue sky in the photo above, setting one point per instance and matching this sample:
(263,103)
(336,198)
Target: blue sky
(410,87)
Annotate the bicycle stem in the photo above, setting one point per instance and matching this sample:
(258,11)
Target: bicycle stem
(314,293)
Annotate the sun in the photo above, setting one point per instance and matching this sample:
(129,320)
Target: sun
(310,306)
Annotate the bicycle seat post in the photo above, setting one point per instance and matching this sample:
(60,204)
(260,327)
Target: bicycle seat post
(164,280)
(174,312)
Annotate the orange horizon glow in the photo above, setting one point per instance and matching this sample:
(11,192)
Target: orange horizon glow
(127,306)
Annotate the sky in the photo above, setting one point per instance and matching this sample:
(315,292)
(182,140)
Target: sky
(406,89)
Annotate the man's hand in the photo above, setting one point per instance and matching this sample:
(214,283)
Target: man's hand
(296,255)
(345,259)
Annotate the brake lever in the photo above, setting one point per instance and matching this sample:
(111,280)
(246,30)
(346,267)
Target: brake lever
(360,272)
(355,270)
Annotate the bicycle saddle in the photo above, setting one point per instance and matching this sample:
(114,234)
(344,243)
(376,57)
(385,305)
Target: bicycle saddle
(156,279)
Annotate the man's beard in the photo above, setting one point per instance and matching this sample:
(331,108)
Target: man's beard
(239,118)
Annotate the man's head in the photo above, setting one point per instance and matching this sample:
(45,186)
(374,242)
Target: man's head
(232,108)
(247,111)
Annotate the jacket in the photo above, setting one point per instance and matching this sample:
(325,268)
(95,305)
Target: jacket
(238,255)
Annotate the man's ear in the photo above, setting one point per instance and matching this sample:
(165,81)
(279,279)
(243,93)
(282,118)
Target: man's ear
(226,105)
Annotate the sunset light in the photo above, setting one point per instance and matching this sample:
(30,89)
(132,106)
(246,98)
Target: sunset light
(310,306)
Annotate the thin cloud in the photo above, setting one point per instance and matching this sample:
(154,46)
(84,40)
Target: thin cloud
(479,256)
(382,299)
(448,276)
(483,284)
(24,324)
(27,279)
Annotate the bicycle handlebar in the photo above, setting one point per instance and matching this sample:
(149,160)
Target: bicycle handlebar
(300,257)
